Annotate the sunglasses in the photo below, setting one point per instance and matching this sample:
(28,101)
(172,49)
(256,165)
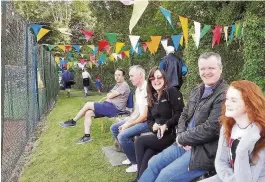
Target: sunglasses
(158,77)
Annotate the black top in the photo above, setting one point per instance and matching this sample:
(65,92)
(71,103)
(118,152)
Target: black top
(167,110)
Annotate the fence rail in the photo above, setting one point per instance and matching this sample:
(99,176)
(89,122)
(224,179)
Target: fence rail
(29,86)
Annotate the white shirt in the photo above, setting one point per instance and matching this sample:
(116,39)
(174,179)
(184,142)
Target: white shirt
(85,74)
(141,98)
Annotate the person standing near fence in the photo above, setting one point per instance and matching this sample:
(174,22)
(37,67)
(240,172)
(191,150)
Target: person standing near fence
(98,84)
(86,76)
(68,80)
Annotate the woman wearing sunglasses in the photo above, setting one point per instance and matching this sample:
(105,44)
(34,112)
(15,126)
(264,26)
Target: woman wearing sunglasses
(241,147)
(165,105)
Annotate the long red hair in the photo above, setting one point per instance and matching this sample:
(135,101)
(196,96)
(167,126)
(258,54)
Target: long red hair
(255,107)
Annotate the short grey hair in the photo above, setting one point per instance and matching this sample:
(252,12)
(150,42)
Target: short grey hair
(209,54)
(138,68)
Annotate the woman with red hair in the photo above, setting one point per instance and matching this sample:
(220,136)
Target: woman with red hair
(241,148)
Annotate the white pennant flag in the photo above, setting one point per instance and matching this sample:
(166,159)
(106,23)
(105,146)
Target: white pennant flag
(226,34)
(119,56)
(134,40)
(65,31)
(115,55)
(164,43)
(197,33)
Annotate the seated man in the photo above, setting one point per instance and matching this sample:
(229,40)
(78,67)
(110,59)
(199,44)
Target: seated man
(116,102)
(135,124)
(194,152)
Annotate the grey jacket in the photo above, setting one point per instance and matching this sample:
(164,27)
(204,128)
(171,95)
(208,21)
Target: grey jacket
(204,136)
(243,171)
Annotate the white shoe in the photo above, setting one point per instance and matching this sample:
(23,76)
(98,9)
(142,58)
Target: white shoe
(126,162)
(132,169)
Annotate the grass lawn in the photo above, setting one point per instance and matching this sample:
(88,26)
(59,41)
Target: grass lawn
(57,158)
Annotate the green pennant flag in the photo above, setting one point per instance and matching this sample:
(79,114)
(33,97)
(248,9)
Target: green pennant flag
(205,29)
(239,31)
(112,37)
(50,47)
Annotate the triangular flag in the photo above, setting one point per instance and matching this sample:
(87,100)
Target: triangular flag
(36,28)
(87,34)
(82,55)
(111,37)
(92,57)
(42,32)
(226,32)
(102,44)
(69,65)
(61,47)
(76,47)
(57,60)
(185,28)
(232,32)
(164,43)
(134,40)
(181,41)
(150,47)
(144,46)
(176,40)
(216,35)
(123,55)
(95,50)
(111,57)
(127,2)
(65,31)
(118,46)
(127,53)
(90,64)
(50,47)
(197,33)
(238,30)
(108,49)
(138,9)
(167,15)
(102,57)
(115,55)
(91,47)
(82,61)
(68,47)
(155,42)
(205,29)
(119,56)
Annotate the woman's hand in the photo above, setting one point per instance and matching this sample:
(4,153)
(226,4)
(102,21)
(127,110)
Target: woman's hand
(155,127)
(162,128)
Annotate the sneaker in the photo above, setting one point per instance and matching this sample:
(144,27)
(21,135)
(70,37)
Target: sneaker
(84,140)
(132,169)
(68,124)
(126,162)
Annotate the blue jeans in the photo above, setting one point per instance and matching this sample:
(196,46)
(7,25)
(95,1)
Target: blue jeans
(170,165)
(125,137)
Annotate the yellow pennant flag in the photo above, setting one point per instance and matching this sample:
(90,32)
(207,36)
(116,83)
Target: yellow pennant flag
(61,47)
(127,53)
(119,45)
(181,41)
(155,42)
(185,28)
(69,65)
(42,32)
(111,57)
(90,64)
(91,47)
(150,47)
(57,60)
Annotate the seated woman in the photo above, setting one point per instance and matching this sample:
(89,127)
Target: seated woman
(165,105)
(241,148)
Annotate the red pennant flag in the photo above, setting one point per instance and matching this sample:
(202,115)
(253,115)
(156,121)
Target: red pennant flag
(216,35)
(108,48)
(87,34)
(144,46)
(123,55)
(68,47)
(102,45)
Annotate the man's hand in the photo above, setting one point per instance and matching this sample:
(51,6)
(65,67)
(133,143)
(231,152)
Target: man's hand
(124,126)
(187,147)
(108,95)
(155,127)
(162,129)
(177,141)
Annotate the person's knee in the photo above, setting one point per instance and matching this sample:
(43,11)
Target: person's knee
(122,137)
(114,128)
(153,161)
(89,113)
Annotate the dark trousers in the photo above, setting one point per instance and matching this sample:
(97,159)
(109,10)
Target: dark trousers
(149,145)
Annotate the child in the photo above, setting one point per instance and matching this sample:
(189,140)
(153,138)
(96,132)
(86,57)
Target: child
(98,84)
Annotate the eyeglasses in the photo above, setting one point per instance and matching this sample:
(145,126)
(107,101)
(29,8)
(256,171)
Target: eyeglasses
(158,77)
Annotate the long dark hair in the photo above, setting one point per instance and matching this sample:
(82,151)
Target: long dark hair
(150,90)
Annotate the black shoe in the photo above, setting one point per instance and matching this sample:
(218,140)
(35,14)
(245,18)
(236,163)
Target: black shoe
(67,124)
(84,140)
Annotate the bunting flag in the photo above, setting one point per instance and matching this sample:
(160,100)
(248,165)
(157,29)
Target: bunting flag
(119,56)
(185,28)
(111,57)
(87,34)
(61,47)
(92,58)
(65,31)
(102,45)
(150,47)
(232,32)
(123,55)
(176,40)
(205,29)
(138,9)
(134,40)
(57,60)
(90,64)
(216,35)
(108,49)
(77,47)
(102,58)
(68,47)
(81,65)
(127,2)
(238,30)
(119,45)
(164,43)
(167,15)
(127,53)
(82,55)
(181,41)
(91,47)
(197,33)
(155,42)
(226,33)
(36,28)
(69,65)
(95,50)
(82,61)
(144,46)
(112,37)
(51,47)
(42,32)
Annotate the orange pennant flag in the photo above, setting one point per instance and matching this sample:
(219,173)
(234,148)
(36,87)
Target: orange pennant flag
(185,28)
(42,32)
(155,42)
(150,47)
(119,45)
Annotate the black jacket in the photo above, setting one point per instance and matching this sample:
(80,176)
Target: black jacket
(204,136)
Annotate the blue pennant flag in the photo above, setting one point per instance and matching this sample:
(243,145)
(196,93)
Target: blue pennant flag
(167,15)
(77,47)
(232,32)
(176,39)
(95,50)
(36,28)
